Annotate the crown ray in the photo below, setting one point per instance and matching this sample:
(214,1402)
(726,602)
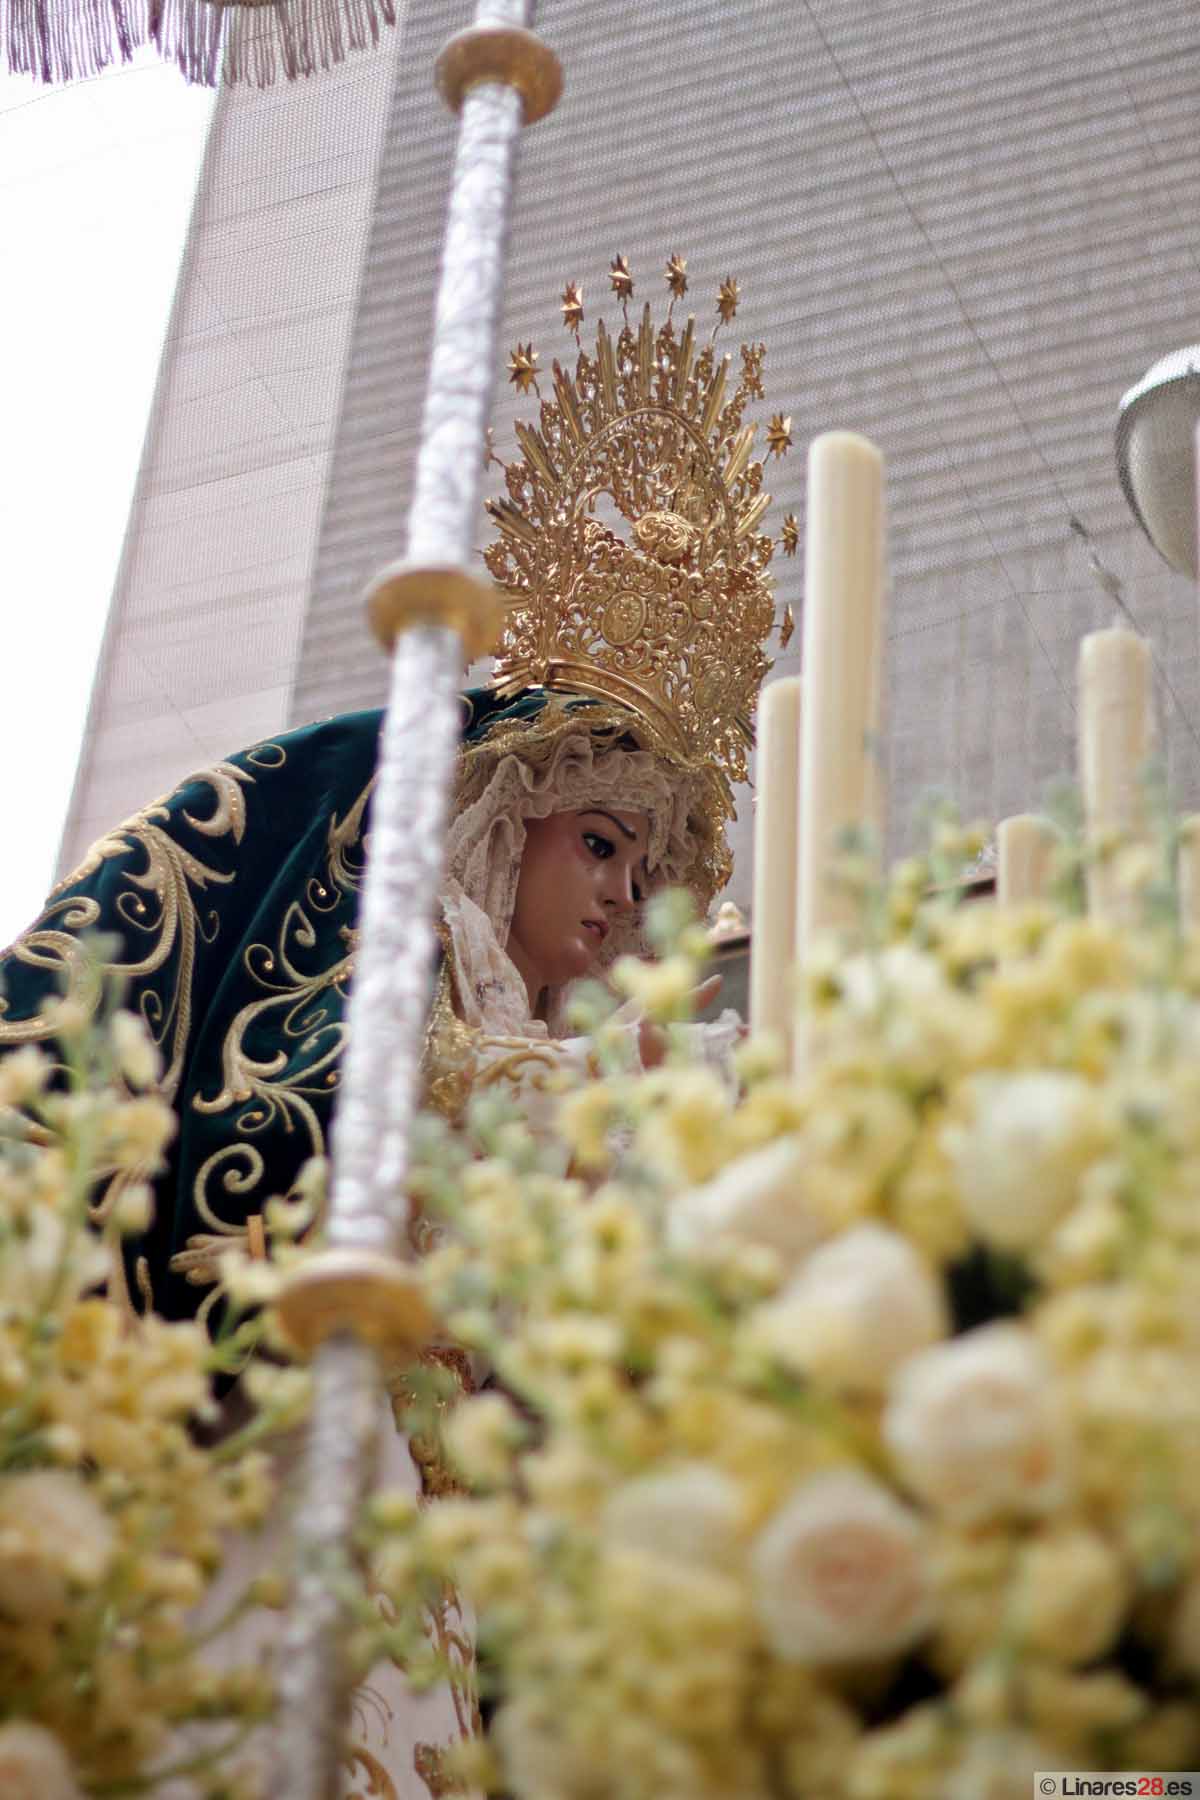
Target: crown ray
(716,394)
(739,456)
(513,523)
(608,369)
(564,393)
(645,353)
(683,367)
(748,519)
(537,453)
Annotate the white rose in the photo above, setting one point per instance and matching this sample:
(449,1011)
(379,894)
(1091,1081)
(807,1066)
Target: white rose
(840,1572)
(859,1306)
(758,1199)
(34,1765)
(977,1427)
(1019,1156)
(53,1538)
(690,1515)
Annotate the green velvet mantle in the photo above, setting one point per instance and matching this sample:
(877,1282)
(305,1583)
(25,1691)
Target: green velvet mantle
(235,901)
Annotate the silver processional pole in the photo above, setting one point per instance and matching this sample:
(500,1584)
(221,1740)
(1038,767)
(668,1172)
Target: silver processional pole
(357,1302)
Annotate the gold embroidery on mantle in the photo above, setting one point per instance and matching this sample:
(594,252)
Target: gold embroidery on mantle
(157,904)
(309,1032)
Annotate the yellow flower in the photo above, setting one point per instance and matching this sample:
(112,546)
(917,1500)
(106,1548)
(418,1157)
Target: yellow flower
(662,989)
(481,1435)
(1070,1595)
(586,1119)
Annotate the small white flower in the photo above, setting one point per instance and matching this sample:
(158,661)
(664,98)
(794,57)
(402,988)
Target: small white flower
(759,1199)
(23,1075)
(34,1765)
(977,1427)
(134,1209)
(249,1280)
(692,1515)
(840,1573)
(1021,1153)
(136,1052)
(859,1307)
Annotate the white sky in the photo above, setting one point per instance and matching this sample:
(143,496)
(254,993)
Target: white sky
(96,186)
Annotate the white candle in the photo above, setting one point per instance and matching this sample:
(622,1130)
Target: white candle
(776,819)
(1024,853)
(1114,744)
(843,619)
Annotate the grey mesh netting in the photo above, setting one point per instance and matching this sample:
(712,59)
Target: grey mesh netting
(961,228)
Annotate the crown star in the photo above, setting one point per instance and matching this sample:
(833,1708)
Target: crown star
(779,434)
(622,280)
(787,627)
(676,276)
(789,535)
(728,296)
(572,306)
(522,368)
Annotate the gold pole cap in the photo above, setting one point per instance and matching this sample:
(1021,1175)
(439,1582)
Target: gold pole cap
(373,1297)
(506,53)
(404,595)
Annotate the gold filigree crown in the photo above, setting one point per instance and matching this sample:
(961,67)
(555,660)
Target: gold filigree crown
(667,618)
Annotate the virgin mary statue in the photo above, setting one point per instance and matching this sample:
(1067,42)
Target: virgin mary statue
(595,769)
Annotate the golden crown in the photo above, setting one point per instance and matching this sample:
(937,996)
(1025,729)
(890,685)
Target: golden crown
(670,620)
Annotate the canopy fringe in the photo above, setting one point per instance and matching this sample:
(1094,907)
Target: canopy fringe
(59,41)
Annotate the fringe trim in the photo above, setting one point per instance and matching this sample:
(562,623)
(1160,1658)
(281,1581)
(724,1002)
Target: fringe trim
(59,41)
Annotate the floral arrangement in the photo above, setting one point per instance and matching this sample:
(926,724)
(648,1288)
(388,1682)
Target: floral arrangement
(842,1431)
(115,1512)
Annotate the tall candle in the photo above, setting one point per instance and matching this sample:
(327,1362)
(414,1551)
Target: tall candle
(1114,743)
(1024,853)
(843,608)
(776,820)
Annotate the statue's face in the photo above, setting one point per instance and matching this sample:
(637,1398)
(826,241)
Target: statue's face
(582,873)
